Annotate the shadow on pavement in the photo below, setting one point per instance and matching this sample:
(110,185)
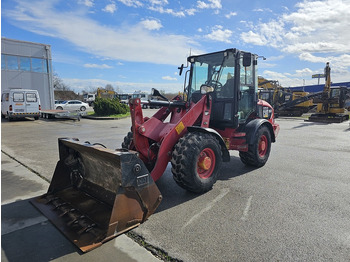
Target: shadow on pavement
(174,195)
(27,236)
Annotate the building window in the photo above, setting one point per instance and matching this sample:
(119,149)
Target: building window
(12,62)
(24,63)
(3,61)
(37,65)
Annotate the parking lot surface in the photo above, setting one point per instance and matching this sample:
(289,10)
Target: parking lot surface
(295,208)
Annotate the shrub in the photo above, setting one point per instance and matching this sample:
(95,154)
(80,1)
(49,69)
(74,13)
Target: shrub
(106,107)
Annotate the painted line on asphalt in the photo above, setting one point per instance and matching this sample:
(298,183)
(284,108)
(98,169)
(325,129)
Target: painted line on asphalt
(208,207)
(246,210)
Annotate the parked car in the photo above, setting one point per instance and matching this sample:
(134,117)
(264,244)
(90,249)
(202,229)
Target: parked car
(59,101)
(72,105)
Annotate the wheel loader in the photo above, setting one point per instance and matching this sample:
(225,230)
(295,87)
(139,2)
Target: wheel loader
(98,193)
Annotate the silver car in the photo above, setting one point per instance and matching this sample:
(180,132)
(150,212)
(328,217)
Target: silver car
(72,105)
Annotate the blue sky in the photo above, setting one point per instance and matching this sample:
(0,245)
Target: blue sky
(138,44)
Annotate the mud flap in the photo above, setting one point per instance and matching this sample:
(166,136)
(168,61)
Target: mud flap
(97,193)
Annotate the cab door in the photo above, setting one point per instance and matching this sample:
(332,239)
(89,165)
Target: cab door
(248,87)
(31,102)
(18,105)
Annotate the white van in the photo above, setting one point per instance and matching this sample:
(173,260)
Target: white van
(20,103)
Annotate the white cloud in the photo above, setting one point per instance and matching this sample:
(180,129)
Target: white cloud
(211,4)
(103,66)
(151,24)
(262,10)
(229,15)
(110,8)
(169,78)
(88,3)
(315,27)
(219,34)
(133,3)
(315,31)
(90,36)
(127,87)
(159,2)
(191,11)
(162,10)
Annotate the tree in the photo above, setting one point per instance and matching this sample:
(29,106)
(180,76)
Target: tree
(109,87)
(58,83)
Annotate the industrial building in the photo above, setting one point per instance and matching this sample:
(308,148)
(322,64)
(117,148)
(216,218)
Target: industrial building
(27,65)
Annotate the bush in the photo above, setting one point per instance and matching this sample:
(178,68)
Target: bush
(106,107)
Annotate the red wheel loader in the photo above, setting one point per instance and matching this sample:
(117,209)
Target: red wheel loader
(96,193)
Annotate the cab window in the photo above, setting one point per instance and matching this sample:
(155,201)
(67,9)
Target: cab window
(18,97)
(31,97)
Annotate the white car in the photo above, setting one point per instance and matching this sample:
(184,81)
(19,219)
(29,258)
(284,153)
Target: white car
(72,105)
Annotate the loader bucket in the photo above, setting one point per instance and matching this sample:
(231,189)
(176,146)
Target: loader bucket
(97,193)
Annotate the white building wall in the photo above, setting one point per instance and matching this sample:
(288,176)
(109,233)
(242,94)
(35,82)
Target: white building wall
(27,75)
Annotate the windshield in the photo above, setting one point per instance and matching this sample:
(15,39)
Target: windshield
(215,70)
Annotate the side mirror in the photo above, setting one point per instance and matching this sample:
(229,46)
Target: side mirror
(206,89)
(181,68)
(247,59)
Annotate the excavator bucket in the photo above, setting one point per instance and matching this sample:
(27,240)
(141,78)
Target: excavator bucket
(97,193)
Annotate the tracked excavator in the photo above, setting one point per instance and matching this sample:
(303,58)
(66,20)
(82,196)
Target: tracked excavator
(98,193)
(331,102)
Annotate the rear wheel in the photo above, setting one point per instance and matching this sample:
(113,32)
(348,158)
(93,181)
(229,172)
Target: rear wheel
(259,151)
(195,162)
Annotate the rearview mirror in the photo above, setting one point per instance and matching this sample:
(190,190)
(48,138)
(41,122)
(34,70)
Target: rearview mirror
(247,59)
(181,68)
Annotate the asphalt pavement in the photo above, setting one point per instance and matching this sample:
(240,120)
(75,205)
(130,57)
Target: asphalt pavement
(295,208)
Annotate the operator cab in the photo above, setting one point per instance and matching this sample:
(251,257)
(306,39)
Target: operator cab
(231,78)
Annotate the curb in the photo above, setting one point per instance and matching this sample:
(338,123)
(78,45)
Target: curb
(103,117)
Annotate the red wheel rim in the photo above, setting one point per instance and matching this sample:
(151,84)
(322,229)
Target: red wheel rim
(206,163)
(263,144)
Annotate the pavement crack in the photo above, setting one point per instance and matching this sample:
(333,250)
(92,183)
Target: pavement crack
(157,252)
(26,166)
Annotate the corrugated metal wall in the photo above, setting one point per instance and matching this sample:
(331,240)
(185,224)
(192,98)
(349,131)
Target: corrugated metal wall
(40,80)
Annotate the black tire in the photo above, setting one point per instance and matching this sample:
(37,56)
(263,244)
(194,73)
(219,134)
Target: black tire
(196,161)
(59,108)
(83,108)
(9,118)
(36,118)
(259,151)
(128,141)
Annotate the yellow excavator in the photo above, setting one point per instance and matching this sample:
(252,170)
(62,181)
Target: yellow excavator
(331,103)
(284,101)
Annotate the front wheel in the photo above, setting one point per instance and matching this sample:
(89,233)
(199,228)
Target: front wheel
(259,151)
(59,108)
(195,162)
(83,108)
